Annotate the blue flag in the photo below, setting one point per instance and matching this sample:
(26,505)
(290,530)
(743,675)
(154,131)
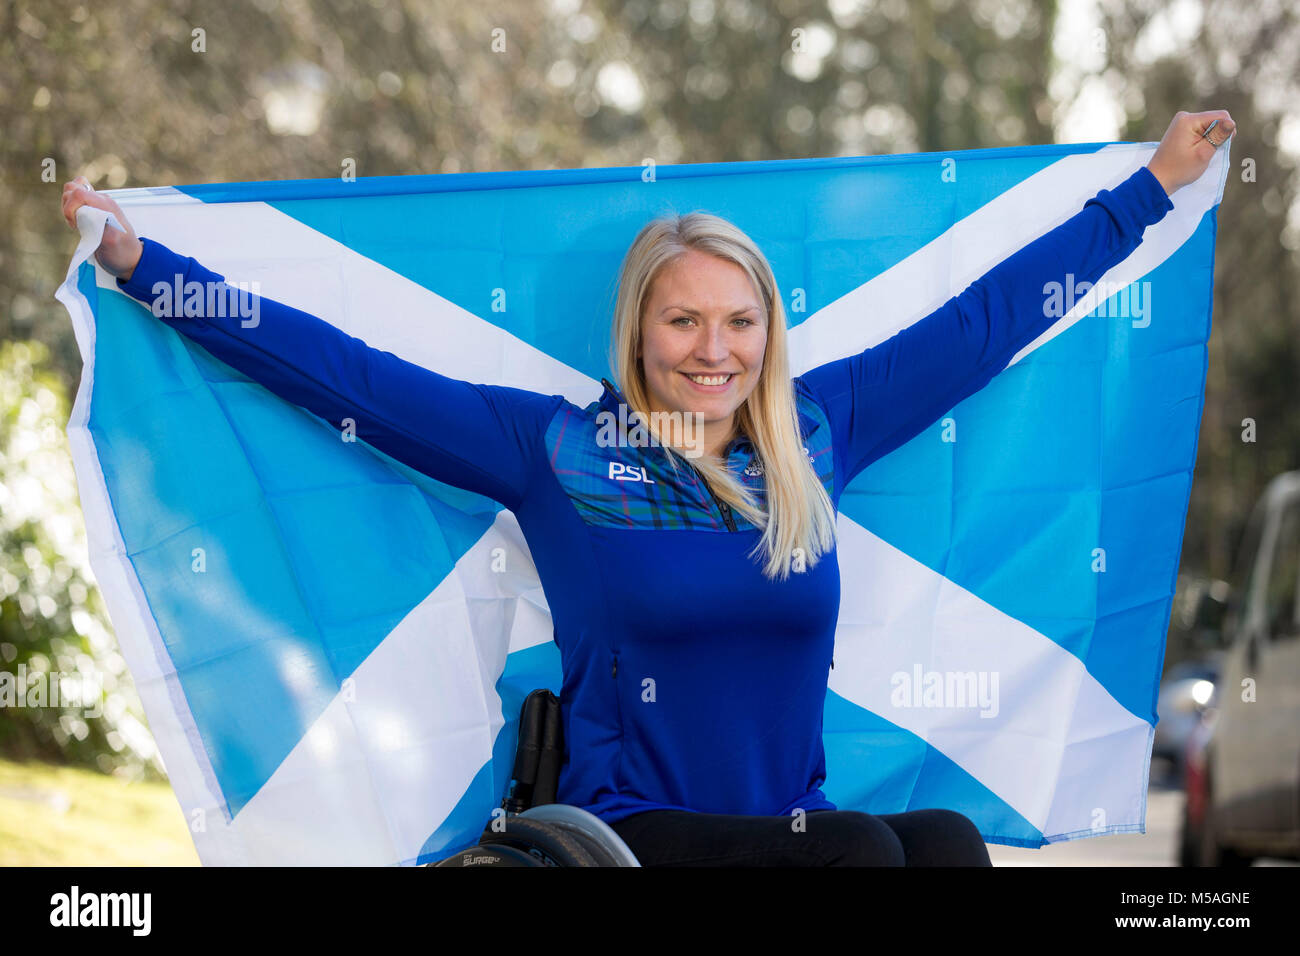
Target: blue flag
(332,648)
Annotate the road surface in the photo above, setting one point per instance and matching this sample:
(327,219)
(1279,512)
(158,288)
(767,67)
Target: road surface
(1157,847)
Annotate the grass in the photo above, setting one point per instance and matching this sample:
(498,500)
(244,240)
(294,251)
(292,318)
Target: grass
(64,816)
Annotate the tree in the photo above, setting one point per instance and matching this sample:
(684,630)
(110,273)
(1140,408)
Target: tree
(65,693)
(1248,66)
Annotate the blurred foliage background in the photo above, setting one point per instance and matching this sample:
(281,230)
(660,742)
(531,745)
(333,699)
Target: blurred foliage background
(286,89)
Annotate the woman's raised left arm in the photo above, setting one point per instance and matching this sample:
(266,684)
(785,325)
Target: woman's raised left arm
(878,399)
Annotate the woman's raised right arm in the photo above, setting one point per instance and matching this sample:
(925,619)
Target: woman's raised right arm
(480,437)
(484,438)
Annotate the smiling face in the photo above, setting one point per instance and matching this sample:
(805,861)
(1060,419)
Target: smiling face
(703,320)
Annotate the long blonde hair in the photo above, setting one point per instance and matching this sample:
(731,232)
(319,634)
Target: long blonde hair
(799,522)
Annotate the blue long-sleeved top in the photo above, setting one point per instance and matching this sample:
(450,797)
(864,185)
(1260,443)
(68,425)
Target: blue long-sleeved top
(690,680)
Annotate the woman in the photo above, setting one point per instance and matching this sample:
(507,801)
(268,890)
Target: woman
(692,701)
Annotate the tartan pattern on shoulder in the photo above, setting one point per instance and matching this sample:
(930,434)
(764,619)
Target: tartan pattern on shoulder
(634,486)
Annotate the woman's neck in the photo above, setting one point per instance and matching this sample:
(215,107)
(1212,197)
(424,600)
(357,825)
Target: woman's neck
(715,442)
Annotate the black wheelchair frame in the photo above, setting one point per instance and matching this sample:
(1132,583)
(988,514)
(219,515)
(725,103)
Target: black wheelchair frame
(533,829)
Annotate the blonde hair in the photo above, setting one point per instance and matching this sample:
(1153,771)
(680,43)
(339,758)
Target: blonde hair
(799,520)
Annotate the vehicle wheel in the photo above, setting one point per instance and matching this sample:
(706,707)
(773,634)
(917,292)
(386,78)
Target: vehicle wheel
(1188,838)
(550,844)
(1207,850)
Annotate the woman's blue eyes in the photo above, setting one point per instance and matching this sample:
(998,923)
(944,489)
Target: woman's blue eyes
(687,318)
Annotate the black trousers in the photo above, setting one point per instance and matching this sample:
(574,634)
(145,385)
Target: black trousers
(827,838)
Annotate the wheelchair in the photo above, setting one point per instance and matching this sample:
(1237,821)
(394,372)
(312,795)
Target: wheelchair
(535,830)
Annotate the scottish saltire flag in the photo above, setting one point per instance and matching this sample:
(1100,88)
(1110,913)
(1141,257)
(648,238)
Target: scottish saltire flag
(333,670)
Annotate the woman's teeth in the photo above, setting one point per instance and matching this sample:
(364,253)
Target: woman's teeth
(709,379)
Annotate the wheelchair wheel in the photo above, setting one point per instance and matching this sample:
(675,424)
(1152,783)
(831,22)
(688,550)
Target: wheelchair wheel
(599,855)
(552,845)
(477,856)
(597,836)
